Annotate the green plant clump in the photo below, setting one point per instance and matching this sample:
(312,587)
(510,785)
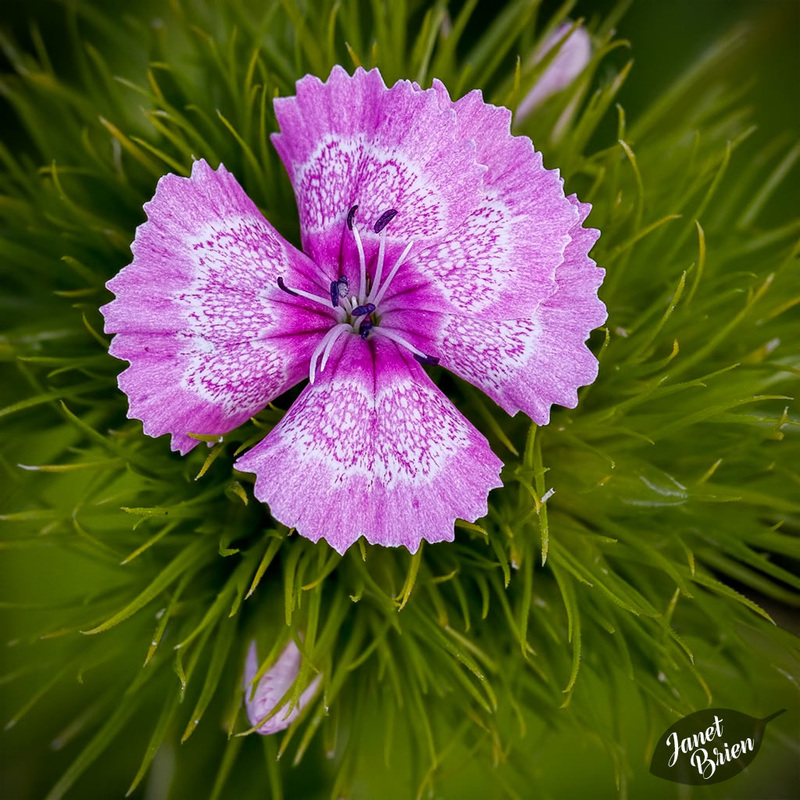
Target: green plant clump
(134,579)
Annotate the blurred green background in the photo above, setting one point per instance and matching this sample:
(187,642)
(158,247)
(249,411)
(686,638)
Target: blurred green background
(665,38)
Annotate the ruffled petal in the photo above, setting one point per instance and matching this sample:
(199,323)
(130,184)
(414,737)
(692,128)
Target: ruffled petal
(273,685)
(501,261)
(209,336)
(527,363)
(352,141)
(373,449)
(509,298)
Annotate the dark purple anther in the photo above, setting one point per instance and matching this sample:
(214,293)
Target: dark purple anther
(432,360)
(335,293)
(360,311)
(344,286)
(366,327)
(384,219)
(282,285)
(350,215)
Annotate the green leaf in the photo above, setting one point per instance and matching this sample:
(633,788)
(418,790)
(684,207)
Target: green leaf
(188,559)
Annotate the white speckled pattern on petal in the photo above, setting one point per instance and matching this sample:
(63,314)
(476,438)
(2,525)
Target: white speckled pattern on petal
(352,141)
(373,449)
(527,363)
(209,336)
(501,260)
(509,298)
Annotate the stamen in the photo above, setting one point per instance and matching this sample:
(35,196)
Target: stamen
(382,289)
(331,336)
(282,285)
(350,215)
(360,311)
(397,338)
(366,326)
(362,265)
(376,278)
(432,360)
(339,289)
(323,301)
(384,219)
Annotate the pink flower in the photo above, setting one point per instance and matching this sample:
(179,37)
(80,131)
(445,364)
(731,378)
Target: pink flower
(273,685)
(574,54)
(430,235)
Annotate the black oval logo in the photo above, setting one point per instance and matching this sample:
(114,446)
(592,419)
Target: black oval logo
(709,746)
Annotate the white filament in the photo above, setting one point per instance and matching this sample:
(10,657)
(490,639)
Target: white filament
(323,301)
(396,337)
(346,305)
(376,280)
(328,339)
(381,291)
(362,264)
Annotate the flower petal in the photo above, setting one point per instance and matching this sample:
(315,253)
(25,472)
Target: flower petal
(507,300)
(526,363)
(210,337)
(274,684)
(503,257)
(352,141)
(373,449)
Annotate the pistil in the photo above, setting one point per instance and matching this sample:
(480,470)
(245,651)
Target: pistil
(380,291)
(324,348)
(362,265)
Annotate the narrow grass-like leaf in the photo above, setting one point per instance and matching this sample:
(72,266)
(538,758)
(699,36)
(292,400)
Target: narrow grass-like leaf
(156,740)
(187,559)
(219,657)
(102,739)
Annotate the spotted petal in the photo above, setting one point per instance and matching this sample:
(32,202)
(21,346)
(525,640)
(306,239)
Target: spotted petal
(209,336)
(508,300)
(501,260)
(352,141)
(525,363)
(373,449)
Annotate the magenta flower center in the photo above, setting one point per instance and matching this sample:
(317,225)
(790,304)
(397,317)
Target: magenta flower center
(358,312)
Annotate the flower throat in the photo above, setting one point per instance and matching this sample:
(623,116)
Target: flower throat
(358,313)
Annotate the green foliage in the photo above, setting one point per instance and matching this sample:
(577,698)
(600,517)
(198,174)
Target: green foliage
(675,480)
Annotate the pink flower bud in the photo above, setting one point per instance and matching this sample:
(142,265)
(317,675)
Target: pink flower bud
(570,61)
(272,687)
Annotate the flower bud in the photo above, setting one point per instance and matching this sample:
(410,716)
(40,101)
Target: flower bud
(272,687)
(569,62)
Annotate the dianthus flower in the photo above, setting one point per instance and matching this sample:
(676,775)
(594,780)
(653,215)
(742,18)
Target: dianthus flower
(430,235)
